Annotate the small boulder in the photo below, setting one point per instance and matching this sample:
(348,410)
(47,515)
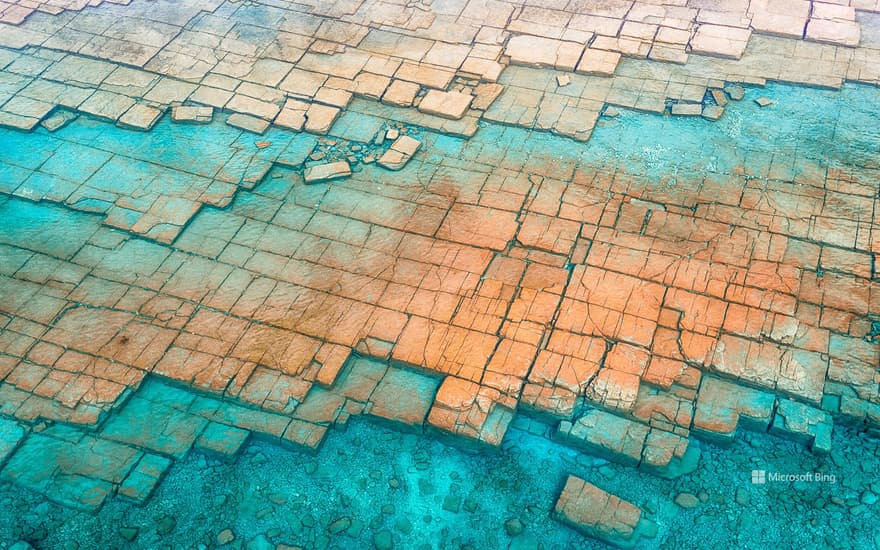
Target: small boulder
(513,527)
(225,537)
(687,500)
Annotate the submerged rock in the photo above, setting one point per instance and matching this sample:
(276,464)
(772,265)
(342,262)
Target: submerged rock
(601,515)
(735,92)
(764,102)
(327,171)
(687,500)
(712,112)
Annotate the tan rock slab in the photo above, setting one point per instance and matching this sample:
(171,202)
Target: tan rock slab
(844,33)
(248,123)
(140,117)
(319,118)
(401,93)
(720,41)
(326,172)
(399,153)
(192,114)
(293,115)
(600,514)
(446,104)
(536,51)
(107,105)
(598,62)
(687,109)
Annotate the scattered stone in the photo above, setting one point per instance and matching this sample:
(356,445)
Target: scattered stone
(165,525)
(383,540)
(128,533)
(687,500)
(260,542)
(399,153)
(742,496)
(326,172)
(192,114)
(339,525)
(248,123)
(225,536)
(262,144)
(764,102)
(563,80)
(392,134)
(712,112)
(452,503)
(513,527)
(735,92)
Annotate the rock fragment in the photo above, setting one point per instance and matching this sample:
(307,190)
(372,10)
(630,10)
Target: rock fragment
(712,112)
(735,92)
(399,153)
(327,171)
(764,102)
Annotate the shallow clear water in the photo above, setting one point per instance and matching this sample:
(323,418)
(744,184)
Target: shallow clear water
(419,490)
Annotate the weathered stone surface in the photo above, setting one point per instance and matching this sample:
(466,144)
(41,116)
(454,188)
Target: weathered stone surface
(328,171)
(599,514)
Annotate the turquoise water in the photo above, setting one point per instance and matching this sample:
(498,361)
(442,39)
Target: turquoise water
(380,483)
(426,494)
